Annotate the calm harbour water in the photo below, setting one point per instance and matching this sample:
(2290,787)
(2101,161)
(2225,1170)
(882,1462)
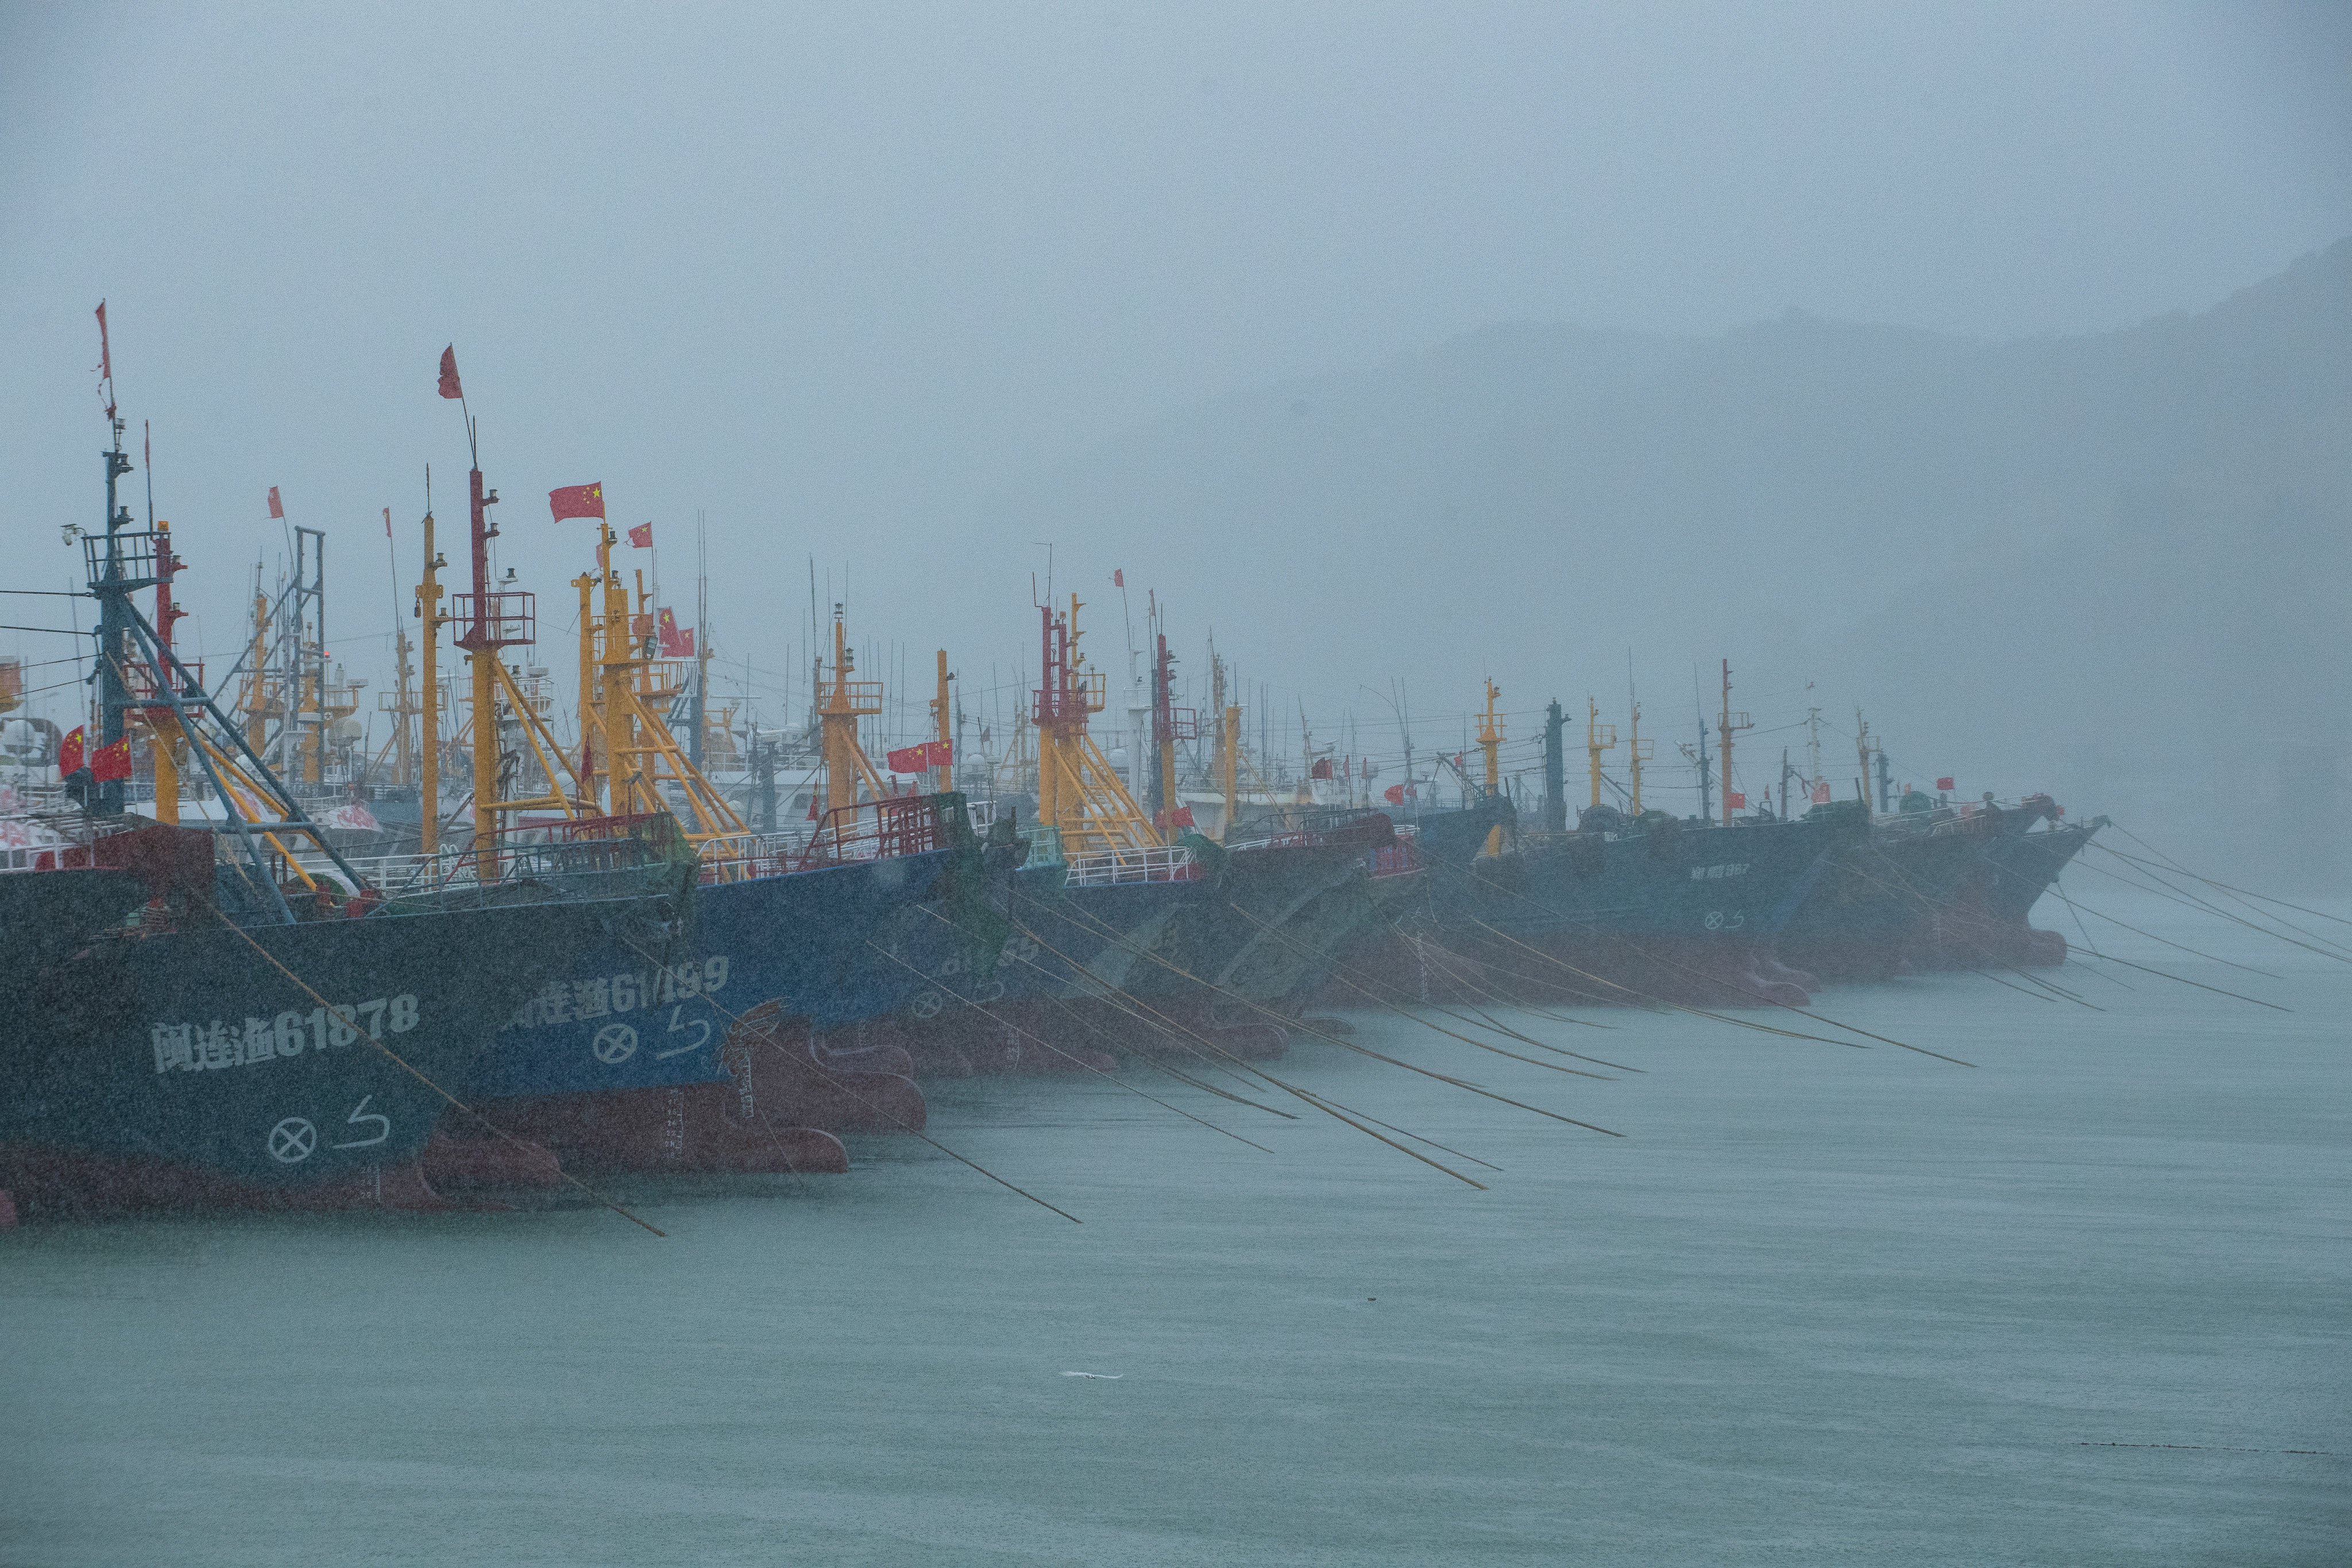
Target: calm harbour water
(1819,1305)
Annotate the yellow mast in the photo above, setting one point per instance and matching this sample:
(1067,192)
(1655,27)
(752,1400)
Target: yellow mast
(1490,740)
(1164,720)
(592,745)
(1730,725)
(634,749)
(162,725)
(1635,755)
(942,774)
(1230,740)
(163,737)
(1598,738)
(1079,793)
(255,694)
(1861,751)
(431,620)
(402,708)
(1224,739)
(846,702)
(309,704)
(617,660)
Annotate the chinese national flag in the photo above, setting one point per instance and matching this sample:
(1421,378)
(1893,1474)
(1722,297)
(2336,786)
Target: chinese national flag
(909,759)
(69,752)
(449,387)
(1735,800)
(1945,783)
(941,754)
(640,628)
(1393,795)
(277,507)
(674,643)
(1821,793)
(112,761)
(577,500)
(642,536)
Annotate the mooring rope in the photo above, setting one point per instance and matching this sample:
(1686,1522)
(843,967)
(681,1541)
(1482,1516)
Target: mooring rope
(414,1071)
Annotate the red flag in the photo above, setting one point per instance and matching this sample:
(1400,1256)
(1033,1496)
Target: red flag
(1944,783)
(1321,770)
(387,522)
(909,759)
(112,761)
(814,813)
(277,507)
(1119,579)
(640,628)
(449,387)
(1736,801)
(577,500)
(642,536)
(674,643)
(1821,793)
(105,360)
(941,752)
(69,752)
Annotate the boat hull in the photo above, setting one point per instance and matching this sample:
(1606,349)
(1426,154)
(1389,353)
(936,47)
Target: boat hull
(652,1012)
(190,1062)
(1675,912)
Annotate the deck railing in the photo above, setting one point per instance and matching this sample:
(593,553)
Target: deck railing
(873,830)
(1109,867)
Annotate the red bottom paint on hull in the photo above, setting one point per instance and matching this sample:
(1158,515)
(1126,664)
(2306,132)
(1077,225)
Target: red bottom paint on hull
(1567,968)
(487,1161)
(785,1095)
(1954,939)
(684,1127)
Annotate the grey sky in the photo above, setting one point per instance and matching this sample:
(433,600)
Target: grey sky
(833,275)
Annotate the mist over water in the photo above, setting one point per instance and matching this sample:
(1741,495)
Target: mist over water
(1984,368)
(2077,1304)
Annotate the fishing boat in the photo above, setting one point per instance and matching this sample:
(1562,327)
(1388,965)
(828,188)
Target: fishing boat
(705,1047)
(1628,906)
(1939,886)
(1987,920)
(234,1013)
(1627,910)
(1123,928)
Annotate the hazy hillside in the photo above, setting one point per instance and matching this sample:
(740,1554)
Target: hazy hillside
(2115,563)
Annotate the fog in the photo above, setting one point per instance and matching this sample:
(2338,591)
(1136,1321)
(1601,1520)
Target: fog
(1959,362)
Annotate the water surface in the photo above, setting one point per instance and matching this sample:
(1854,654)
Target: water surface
(1820,1304)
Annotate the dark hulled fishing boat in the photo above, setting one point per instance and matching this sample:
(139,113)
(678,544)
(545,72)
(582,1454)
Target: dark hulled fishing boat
(1876,900)
(1257,932)
(1987,921)
(1623,909)
(186,1056)
(797,932)
(265,1026)
(1936,887)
